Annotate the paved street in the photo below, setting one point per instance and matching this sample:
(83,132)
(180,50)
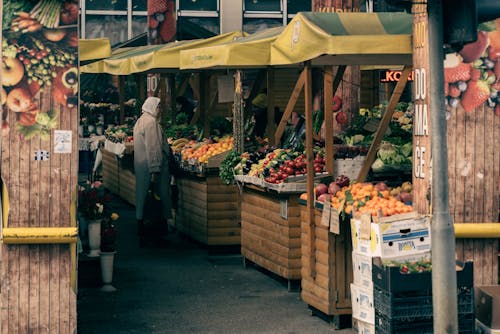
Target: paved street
(183,288)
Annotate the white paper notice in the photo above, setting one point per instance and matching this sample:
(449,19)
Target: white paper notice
(62,141)
(225,86)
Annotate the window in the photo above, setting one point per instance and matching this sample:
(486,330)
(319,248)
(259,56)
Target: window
(252,25)
(295,6)
(197,27)
(139,5)
(106,5)
(113,27)
(262,5)
(199,5)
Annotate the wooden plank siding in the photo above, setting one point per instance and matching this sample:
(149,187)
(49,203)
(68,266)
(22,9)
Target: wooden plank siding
(37,296)
(208,211)
(329,290)
(268,239)
(473,163)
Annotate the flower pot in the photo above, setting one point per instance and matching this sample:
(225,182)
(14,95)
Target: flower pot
(107,259)
(94,227)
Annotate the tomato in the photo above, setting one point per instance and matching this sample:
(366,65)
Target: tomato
(289,170)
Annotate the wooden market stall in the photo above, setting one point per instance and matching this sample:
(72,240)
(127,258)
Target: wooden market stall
(328,39)
(202,214)
(270,219)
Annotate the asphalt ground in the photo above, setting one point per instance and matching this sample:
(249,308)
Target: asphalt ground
(184,287)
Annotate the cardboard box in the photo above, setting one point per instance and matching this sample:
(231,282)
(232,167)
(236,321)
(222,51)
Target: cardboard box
(394,236)
(483,329)
(362,304)
(488,305)
(361,327)
(362,269)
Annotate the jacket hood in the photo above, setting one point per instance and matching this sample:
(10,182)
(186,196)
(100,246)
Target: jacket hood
(150,106)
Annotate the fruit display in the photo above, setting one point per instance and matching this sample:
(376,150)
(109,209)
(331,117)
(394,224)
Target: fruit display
(375,199)
(39,55)
(199,152)
(472,75)
(278,165)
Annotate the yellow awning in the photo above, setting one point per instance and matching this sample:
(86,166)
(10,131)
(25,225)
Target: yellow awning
(90,49)
(152,57)
(253,50)
(345,39)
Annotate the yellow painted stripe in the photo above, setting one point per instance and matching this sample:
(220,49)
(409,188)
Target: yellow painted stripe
(39,235)
(370,22)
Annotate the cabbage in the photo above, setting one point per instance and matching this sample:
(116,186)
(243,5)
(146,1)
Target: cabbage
(406,149)
(378,165)
(387,152)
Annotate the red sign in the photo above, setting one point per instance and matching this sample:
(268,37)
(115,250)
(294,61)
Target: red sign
(393,76)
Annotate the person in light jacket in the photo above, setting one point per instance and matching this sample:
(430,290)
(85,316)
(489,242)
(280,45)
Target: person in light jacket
(151,161)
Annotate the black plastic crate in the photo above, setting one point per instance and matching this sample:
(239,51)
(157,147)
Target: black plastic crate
(389,278)
(419,325)
(408,305)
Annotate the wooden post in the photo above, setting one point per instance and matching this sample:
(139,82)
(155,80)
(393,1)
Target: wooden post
(271,126)
(384,123)
(310,167)
(121,97)
(173,96)
(239,137)
(329,90)
(204,103)
(289,107)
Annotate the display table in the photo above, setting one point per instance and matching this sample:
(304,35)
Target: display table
(208,210)
(117,175)
(270,231)
(329,291)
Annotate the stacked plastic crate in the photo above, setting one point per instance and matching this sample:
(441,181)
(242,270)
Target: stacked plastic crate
(403,299)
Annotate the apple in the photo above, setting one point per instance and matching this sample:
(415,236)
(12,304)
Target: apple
(19,100)
(12,71)
(54,35)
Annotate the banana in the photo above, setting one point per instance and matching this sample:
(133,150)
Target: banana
(180,140)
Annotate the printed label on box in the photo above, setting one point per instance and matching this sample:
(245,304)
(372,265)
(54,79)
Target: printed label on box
(362,303)
(362,269)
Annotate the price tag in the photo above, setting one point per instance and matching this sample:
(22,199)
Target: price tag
(334,222)
(325,216)
(365,226)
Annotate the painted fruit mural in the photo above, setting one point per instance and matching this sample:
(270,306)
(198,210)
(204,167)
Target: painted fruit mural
(39,57)
(472,75)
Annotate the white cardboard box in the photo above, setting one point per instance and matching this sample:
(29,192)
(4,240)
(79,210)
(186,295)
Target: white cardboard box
(394,236)
(362,303)
(361,327)
(362,269)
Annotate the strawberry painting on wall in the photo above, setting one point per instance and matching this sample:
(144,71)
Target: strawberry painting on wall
(39,65)
(472,75)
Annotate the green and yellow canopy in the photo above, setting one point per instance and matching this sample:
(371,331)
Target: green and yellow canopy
(345,39)
(253,50)
(151,57)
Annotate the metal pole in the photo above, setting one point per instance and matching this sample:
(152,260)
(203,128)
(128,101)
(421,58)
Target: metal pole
(444,279)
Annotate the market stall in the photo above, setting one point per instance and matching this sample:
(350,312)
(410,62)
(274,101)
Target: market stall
(328,39)
(202,214)
(270,214)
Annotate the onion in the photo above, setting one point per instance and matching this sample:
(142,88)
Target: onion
(321,189)
(333,188)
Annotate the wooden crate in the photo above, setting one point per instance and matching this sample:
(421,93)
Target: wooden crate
(208,210)
(270,231)
(329,290)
